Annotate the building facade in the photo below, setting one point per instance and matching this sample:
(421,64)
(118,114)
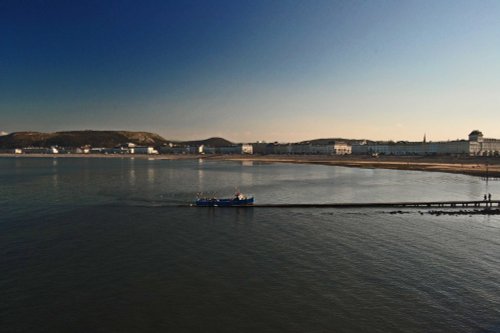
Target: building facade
(475,146)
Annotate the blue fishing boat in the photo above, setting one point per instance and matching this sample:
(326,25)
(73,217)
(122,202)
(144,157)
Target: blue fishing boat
(238,200)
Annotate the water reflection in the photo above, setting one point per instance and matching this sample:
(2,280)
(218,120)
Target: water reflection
(246,178)
(55,180)
(244,215)
(353,263)
(131,173)
(151,174)
(270,183)
(55,173)
(201,176)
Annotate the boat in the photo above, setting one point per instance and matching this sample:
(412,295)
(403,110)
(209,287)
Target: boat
(238,200)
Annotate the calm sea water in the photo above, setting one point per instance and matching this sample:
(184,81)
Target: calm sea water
(101,245)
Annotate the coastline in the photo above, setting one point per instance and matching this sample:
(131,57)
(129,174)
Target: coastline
(127,156)
(473,166)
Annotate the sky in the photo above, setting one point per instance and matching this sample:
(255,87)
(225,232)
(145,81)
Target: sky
(272,70)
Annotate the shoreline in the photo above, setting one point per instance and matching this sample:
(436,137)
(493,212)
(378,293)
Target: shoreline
(472,166)
(123,156)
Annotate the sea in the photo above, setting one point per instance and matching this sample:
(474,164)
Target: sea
(112,245)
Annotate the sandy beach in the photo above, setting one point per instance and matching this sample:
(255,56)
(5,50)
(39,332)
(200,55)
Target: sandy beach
(474,166)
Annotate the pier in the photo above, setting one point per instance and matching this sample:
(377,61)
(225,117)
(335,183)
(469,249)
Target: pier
(415,204)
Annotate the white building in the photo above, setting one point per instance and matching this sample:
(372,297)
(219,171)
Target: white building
(235,149)
(483,146)
(143,150)
(332,148)
(342,148)
(247,149)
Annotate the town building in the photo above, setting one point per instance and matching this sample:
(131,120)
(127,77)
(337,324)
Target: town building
(234,149)
(143,150)
(40,150)
(131,148)
(477,145)
(308,148)
(247,149)
(11,151)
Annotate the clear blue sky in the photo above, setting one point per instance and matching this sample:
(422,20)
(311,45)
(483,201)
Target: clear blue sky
(252,70)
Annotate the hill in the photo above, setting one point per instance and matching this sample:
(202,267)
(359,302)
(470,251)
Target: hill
(107,139)
(330,141)
(211,142)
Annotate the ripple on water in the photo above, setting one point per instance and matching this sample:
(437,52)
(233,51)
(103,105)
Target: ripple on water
(101,246)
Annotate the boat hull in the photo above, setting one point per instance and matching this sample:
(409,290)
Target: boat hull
(224,202)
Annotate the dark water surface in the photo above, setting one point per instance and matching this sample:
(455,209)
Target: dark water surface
(100,245)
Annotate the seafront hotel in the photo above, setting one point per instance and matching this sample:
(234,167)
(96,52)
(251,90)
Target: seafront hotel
(477,145)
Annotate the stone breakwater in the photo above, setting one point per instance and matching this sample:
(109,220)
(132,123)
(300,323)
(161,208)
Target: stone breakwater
(468,212)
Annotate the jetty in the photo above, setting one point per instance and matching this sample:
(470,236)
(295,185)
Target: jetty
(485,204)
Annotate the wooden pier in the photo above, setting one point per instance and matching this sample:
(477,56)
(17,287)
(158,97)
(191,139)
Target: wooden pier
(423,204)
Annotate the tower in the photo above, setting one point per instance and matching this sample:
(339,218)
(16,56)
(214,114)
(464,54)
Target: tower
(476,136)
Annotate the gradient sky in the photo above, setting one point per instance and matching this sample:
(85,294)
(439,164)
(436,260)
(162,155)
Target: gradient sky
(273,70)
